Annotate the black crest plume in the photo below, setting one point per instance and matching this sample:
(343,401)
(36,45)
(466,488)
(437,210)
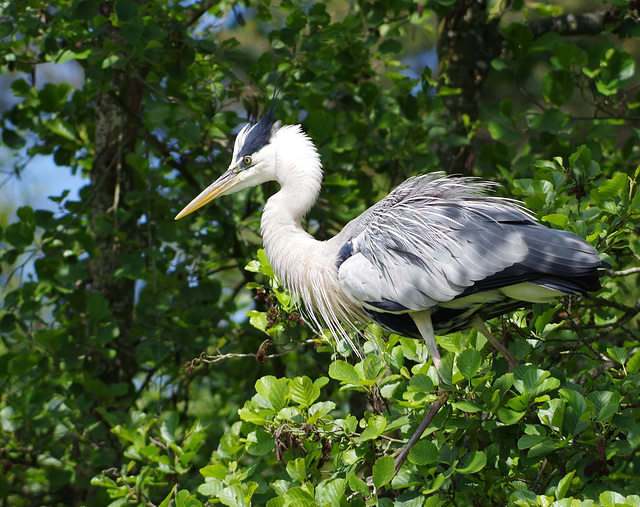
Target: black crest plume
(260,134)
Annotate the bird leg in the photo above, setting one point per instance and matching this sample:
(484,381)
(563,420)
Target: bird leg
(479,326)
(425,326)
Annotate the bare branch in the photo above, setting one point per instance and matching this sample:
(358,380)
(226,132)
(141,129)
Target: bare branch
(442,398)
(221,357)
(624,272)
(629,313)
(534,486)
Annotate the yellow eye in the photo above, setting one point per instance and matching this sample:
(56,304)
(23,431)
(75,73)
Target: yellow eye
(246,160)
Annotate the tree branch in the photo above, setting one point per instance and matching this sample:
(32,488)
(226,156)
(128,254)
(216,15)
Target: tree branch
(624,272)
(198,10)
(568,25)
(596,371)
(221,357)
(629,313)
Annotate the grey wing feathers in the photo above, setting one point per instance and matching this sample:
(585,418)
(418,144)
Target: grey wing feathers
(437,238)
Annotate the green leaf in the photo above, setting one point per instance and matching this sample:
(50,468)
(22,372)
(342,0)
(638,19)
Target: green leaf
(424,452)
(185,499)
(278,501)
(211,488)
(376,425)
(606,404)
(20,234)
(110,61)
(613,187)
(170,422)
(435,485)
(167,500)
(574,399)
(446,368)
(564,485)
(501,132)
(274,390)
(303,391)
(6,29)
(86,10)
(612,499)
(383,471)
(259,320)
(321,124)
(618,354)
(53,96)
(358,485)
(265,266)
(297,469)
(508,416)
(216,470)
(97,306)
(469,362)
(581,157)
(260,443)
(298,497)
(12,139)
(551,413)
(634,363)
(421,383)
(556,219)
(190,132)
(467,406)
(558,86)
(233,496)
(534,382)
(344,372)
(551,121)
(473,463)
(320,409)
(330,492)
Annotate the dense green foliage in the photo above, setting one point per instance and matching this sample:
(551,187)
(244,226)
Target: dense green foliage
(150,362)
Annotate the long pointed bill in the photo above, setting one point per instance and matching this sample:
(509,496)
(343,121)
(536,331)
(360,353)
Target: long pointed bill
(216,189)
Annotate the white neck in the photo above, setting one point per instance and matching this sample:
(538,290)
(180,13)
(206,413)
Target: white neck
(298,170)
(306,266)
(299,173)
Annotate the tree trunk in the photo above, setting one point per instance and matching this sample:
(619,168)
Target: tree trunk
(115,231)
(468,39)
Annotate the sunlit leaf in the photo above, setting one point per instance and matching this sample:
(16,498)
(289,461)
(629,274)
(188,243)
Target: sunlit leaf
(473,463)
(383,471)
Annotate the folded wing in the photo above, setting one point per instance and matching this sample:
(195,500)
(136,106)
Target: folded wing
(437,239)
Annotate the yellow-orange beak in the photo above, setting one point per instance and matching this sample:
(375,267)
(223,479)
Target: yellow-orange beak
(216,189)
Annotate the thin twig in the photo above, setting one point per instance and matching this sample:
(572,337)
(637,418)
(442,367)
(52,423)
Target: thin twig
(534,486)
(221,357)
(629,313)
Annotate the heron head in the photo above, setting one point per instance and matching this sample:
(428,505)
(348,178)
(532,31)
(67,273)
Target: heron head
(252,163)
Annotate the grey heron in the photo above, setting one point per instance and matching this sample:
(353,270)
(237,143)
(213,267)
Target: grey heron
(436,255)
